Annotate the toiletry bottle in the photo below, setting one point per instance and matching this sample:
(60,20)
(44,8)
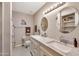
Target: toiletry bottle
(39,31)
(75,42)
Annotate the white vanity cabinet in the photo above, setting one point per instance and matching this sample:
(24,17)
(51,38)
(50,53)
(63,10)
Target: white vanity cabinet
(34,47)
(39,49)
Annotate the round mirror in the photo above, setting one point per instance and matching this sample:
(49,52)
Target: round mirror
(44,23)
(67,19)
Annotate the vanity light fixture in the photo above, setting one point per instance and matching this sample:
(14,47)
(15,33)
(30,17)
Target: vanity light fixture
(54,7)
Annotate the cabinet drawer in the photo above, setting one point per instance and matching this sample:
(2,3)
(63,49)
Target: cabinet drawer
(44,52)
(48,51)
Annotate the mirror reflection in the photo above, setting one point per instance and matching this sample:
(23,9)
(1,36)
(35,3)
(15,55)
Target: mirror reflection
(44,23)
(67,19)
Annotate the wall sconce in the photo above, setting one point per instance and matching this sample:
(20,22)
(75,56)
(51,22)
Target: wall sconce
(54,7)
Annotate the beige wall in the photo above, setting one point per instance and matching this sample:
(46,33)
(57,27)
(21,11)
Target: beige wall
(52,30)
(20,31)
(0,29)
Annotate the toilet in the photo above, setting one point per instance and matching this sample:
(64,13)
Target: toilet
(25,41)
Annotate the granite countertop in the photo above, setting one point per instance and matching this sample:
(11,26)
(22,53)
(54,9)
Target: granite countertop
(73,52)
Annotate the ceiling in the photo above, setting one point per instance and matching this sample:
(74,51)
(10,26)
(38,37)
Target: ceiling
(27,7)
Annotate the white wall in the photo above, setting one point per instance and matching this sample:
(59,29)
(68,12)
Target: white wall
(20,31)
(0,29)
(52,30)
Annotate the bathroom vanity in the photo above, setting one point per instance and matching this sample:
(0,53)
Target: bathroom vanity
(40,48)
(44,46)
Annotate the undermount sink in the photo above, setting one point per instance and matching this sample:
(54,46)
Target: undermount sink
(59,46)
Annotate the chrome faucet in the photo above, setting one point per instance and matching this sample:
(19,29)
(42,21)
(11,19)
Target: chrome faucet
(62,39)
(44,35)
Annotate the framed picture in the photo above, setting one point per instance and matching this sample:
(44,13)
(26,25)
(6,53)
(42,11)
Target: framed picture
(35,28)
(28,29)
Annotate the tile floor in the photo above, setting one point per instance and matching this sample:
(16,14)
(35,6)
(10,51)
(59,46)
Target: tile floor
(21,51)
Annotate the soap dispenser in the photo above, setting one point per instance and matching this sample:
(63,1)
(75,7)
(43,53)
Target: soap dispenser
(75,42)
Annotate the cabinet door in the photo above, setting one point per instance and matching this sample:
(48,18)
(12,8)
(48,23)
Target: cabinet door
(35,52)
(34,47)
